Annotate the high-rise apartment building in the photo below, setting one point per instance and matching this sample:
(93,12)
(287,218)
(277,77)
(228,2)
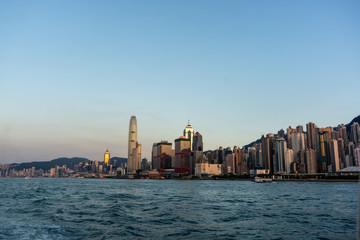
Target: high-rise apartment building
(267,151)
(298,144)
(289,160)
(279,155)
(355,133)
(311,166)
(311,135)
(323,151)
(343,134)
(334,154)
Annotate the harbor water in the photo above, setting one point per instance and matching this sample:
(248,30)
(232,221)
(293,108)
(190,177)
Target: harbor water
(64,208)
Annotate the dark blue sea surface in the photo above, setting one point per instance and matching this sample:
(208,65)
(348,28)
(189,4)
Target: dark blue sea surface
(176,209)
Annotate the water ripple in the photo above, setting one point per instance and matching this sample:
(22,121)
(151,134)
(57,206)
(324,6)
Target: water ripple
(175,209)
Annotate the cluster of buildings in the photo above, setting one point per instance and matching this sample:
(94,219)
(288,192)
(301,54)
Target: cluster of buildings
(86,168)
(318,150)
(314,151)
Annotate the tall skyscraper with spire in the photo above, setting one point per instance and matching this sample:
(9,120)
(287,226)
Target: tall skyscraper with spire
(134,148)
(189,134)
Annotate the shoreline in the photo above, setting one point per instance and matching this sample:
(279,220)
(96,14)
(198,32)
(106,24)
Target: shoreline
(212,179)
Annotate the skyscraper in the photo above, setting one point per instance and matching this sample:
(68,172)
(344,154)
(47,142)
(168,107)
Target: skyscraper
(267,151)
(182,153)
(279,155)
(311,166)
(197,142)
(310,131)
(323,151)
(334,155)
(134,148)
(289,159)
(189,134)
(107,157)
(355,132)
(162,155)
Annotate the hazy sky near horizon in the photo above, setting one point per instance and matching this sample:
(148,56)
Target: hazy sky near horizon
(73,72)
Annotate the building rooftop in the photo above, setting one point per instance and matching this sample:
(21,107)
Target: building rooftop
(350,169)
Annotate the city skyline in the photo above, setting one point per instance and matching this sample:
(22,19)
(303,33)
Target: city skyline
(132,135)
(69,81)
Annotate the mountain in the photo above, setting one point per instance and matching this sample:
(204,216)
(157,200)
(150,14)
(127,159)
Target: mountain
(69,162)
(348,126)
(119,161)
(252,144)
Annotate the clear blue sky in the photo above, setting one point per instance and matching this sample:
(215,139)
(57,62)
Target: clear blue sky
(73,72)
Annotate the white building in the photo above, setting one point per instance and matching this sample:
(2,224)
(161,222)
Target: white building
(289,158)
(189,134)
(334,153)
(357,156)
(207,169)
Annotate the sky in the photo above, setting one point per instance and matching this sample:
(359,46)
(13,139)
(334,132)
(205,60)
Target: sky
(72,73)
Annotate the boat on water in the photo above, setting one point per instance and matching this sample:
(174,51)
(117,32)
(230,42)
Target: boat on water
(262,180)
(27,177)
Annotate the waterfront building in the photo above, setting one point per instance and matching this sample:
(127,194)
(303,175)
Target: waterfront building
(107,157)
(279,155)
(343,134)
(261,162)
(134,148)
(357,156)
(189,134)
(267,151)
(289,159)
(311,166)
(153,156)
(162,155)
(323,151)
(341,148)
(207,169)
(334,154)
(238,159)
(196,157)
(252,159)
(228,166)
(311,135)
(289,132)
(355,133)
(298,144)
(197,144)
(52,172)
(182,153)
(350,151)
(145,164)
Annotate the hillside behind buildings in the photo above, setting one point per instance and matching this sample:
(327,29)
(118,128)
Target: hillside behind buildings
(69,162)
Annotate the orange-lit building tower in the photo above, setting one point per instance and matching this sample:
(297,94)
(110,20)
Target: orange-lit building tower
(107,157)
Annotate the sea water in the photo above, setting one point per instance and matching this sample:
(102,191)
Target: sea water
(64,208)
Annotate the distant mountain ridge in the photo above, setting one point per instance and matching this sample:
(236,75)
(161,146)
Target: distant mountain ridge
(69,162)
